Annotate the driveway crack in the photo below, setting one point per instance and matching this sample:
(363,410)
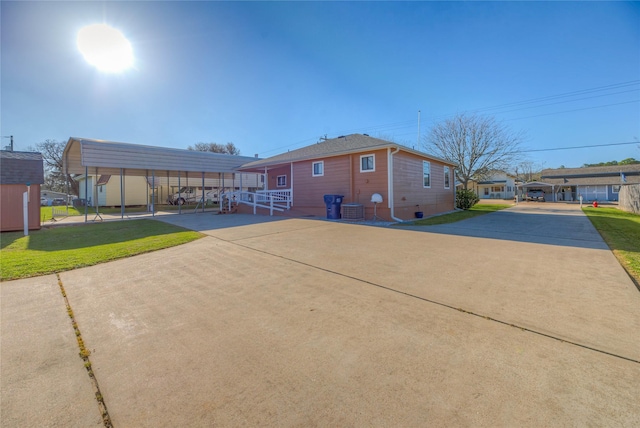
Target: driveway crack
(84,355)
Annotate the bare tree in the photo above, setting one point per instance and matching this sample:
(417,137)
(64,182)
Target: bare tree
(477,144)
(228,148)
(55,179)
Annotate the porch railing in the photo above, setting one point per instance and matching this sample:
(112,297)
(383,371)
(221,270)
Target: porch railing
(273,200)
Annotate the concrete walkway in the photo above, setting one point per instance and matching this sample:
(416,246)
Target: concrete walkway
(293,322)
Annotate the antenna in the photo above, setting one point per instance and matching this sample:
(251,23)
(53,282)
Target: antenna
(418,142)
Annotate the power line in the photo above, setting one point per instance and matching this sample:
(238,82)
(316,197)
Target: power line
(576,147)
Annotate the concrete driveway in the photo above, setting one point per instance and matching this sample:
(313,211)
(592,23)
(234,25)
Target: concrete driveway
(296,322)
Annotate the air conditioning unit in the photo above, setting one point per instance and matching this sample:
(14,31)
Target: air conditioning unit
(352,212)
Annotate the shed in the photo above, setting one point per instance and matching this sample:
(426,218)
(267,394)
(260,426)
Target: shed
(20,172)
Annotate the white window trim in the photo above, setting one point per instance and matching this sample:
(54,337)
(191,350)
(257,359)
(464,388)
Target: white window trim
(278,181)
(313,170)
(371,155)
(447,171)
(430,174)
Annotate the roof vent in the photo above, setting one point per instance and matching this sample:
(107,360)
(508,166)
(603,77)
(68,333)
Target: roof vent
(366,135)
(342,136)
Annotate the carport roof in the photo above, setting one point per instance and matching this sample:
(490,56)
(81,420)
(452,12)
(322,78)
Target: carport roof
(108,157)
(536,184)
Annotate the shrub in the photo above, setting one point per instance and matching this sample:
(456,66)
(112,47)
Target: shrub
(466,198)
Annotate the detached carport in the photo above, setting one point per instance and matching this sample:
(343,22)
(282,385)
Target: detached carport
(99,157)
(538,185)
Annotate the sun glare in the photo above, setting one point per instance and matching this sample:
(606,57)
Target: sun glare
(105,48)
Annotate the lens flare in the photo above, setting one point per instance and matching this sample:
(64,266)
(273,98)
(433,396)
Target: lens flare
(105,48)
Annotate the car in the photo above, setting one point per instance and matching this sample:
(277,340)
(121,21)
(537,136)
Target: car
(58,201)
(534,195)
(44,202)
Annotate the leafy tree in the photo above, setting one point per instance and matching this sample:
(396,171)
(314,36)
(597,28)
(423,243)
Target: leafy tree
(477,144)
(55,179)
(627,161)
(228,148)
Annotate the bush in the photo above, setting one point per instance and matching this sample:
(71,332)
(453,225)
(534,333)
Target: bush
(466,198)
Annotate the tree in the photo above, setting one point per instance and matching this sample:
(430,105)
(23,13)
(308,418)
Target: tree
(477,144)
(55,179)
(627,161)
(228,148)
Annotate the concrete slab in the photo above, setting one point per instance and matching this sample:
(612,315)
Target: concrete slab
(271,321)
(221,334)
(43,381)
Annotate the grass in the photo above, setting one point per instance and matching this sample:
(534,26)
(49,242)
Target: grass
(476,210)
(59,249)
(621,231)
(46,212)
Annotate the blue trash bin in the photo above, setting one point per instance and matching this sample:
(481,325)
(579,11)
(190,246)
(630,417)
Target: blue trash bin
(333,204)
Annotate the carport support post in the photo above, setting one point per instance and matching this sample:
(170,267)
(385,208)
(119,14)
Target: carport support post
(179,206)
(86,193)
(153,193)
(202,191)
(121,194)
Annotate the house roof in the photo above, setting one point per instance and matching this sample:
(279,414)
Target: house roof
(21,167)
(108,157)
(597,175)
(353,143)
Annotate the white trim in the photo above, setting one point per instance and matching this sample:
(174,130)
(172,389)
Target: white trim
(313,169)
(423,175)
(371,155)
(447,172)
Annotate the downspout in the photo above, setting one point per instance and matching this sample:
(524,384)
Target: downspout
(390,182)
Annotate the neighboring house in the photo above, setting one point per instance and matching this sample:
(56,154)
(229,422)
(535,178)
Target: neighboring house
(496,185)
(598,183)
(358,166)
(138,189)
(104,190)
(20,172)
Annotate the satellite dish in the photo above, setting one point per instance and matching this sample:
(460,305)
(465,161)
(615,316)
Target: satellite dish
(376,198)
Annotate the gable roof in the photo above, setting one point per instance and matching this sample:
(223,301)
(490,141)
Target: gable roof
(21,167)
(595,175)
(353,143)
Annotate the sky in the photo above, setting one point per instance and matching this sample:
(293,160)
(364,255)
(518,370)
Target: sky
(275,76)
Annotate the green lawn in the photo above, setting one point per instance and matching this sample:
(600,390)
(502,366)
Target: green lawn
(64,248)
(476,210)
(621,231)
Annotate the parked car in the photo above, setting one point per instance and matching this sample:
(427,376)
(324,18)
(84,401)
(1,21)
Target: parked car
(44,202)
(534,195)
(58,201)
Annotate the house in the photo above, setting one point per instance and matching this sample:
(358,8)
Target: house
(357,167)
(598,183)
(104,189)
(496,185)
(20,172)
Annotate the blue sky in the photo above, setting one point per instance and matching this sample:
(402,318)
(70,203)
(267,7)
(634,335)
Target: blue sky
(274,76)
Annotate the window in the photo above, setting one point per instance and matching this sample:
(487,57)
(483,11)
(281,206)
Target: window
(426,174)
(446,177)
(281,181)
(486,191)
(367,163)
(318,169)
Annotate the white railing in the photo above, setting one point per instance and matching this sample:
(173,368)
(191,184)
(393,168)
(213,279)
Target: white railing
(273,200)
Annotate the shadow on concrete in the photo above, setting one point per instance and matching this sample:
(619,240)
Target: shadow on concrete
(548,225)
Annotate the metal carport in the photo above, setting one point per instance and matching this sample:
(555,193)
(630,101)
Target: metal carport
(538,184)
(90,156)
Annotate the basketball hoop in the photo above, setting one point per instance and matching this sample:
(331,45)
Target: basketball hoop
(376,198)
